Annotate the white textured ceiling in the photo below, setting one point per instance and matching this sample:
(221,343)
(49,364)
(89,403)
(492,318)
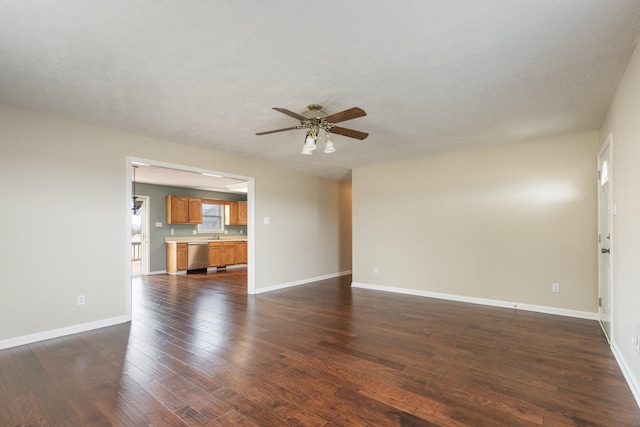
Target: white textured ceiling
(433,75)
(149,174)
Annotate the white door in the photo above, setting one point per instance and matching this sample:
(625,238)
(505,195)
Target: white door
(140,239)
(605,238)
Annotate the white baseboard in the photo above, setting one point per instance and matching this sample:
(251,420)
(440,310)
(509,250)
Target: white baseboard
(177,273)
(482,301)
(228,267)
(631,380)
(301,282)
(61,332)
(153,273)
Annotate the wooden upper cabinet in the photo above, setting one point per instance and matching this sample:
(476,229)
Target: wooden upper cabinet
(231,213)
(184,210)
(235,213)
(177,210)
(242,213)
(195,211)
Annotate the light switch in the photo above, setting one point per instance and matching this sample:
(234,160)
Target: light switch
(158,224)
(267,220)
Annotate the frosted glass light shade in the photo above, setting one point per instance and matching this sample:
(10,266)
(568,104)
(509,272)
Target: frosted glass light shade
(329,148)
(310,143)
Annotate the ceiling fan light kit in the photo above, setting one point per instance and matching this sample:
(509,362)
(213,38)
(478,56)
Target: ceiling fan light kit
(309,145)
(328,147)
(316,119)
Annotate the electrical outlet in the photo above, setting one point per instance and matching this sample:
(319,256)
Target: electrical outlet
(375,270)
(172,231)
(636,341)
(80,299)
(555,287)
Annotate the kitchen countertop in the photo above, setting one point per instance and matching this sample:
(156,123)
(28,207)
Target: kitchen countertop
(205,239)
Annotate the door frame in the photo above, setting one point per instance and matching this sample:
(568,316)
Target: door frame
(144,244)
(251,235)
(608,144)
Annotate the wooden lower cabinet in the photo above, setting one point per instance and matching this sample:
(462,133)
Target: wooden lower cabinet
(241,253)
(176,257)
(222,254)
(227,253)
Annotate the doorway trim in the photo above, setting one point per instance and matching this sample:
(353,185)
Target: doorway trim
(144,244)
(607,145)
(251,264)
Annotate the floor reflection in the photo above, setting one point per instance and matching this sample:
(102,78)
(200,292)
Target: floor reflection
(200,351)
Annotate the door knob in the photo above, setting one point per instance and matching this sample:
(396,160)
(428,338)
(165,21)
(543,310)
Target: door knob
(605,250)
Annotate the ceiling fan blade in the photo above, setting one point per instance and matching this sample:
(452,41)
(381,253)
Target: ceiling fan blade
(349,132)
(277,130)
(351,113)
(290,114)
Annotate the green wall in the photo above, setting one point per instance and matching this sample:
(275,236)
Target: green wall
(157,213)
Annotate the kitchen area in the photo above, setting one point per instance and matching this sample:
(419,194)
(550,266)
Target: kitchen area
(208,252)
(189,225)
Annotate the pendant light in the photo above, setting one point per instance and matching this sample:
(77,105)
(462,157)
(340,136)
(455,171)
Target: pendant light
(137,204)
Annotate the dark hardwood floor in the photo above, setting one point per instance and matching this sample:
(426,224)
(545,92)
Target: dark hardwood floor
(200,352)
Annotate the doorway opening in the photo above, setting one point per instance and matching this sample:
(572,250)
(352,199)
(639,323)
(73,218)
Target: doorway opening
(157,248)
(140,239)
(605,238)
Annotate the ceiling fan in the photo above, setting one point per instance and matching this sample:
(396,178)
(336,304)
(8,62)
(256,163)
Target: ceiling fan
(316,119)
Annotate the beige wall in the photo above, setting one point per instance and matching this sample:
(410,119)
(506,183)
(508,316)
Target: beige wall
(500,223)
(623,121)
(64,219)
(346,226)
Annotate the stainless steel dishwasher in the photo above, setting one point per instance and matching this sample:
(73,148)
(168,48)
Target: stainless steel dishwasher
(197,255)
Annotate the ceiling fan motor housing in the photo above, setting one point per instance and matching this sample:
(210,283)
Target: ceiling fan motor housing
(314,111)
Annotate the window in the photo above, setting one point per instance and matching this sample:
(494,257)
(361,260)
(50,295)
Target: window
(604,173)
(212,218)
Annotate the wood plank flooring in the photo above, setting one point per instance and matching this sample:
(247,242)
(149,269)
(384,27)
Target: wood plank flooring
(200,352)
